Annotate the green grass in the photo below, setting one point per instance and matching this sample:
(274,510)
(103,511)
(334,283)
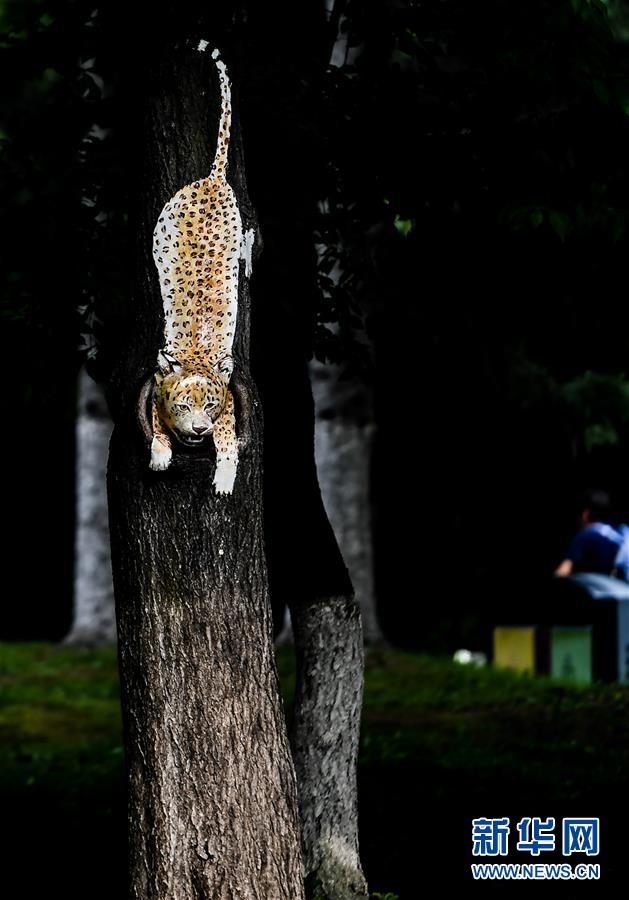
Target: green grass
(59,719)
(484,722)
(446,742)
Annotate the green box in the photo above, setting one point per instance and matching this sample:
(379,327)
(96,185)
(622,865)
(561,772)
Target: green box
(571,653)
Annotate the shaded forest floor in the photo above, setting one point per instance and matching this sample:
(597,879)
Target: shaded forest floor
(441,744)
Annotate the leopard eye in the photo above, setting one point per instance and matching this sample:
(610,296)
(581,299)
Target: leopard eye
(185,407)
(211,404)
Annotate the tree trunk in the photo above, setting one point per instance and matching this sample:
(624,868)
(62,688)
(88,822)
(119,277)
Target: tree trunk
(94,621)
(306,569)
(212,792)
(343,452)
(308,574)
(344,433)
(325,740)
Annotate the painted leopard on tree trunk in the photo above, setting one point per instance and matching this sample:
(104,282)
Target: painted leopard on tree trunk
(197,247)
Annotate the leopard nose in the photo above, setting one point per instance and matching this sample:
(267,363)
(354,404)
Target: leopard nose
(199,429)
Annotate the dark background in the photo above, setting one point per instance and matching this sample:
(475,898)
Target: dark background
(475,161)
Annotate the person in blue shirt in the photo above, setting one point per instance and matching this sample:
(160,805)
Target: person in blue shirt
(598,546)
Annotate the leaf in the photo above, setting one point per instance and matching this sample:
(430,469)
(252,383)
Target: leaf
(600,434)
(403,226)
(537,217)
(560,223)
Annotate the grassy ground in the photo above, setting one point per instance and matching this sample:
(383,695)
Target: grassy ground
(441,744)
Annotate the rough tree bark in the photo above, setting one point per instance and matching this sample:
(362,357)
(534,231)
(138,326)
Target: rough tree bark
(212,792)
(325,739)
(94,620)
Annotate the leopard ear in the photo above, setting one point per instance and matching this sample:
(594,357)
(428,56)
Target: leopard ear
(167,363)
(224,366)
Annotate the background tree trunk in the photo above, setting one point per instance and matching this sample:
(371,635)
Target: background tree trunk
(308,574)
(325,741)
(345,426)
(344,434)
(306,570)
(94,620)
(212,794)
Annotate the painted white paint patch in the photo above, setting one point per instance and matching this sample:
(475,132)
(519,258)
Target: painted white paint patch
(246,250)
(161,455)
(222,68)
(203,45)
(225,476)
(216,54)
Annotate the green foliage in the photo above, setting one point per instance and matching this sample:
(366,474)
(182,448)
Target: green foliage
(597,405)
(592,405)
(403,226)
(618,13)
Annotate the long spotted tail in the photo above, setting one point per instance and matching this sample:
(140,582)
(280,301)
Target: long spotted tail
(222,143)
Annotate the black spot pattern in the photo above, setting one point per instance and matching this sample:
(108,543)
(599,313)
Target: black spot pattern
(196,248)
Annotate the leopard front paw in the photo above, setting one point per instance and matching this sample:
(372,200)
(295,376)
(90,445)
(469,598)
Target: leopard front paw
(224,477)
(161,455)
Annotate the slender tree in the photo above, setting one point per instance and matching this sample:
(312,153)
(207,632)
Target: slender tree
(308,575)
(93,621)
(212,794)
(344,416)
(344,433)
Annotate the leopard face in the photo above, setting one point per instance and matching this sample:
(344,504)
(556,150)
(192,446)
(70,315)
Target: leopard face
(190,402)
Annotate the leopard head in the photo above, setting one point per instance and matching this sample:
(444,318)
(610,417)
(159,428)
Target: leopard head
(190,400)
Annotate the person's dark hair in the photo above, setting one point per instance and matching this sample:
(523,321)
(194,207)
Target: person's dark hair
(597,502)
